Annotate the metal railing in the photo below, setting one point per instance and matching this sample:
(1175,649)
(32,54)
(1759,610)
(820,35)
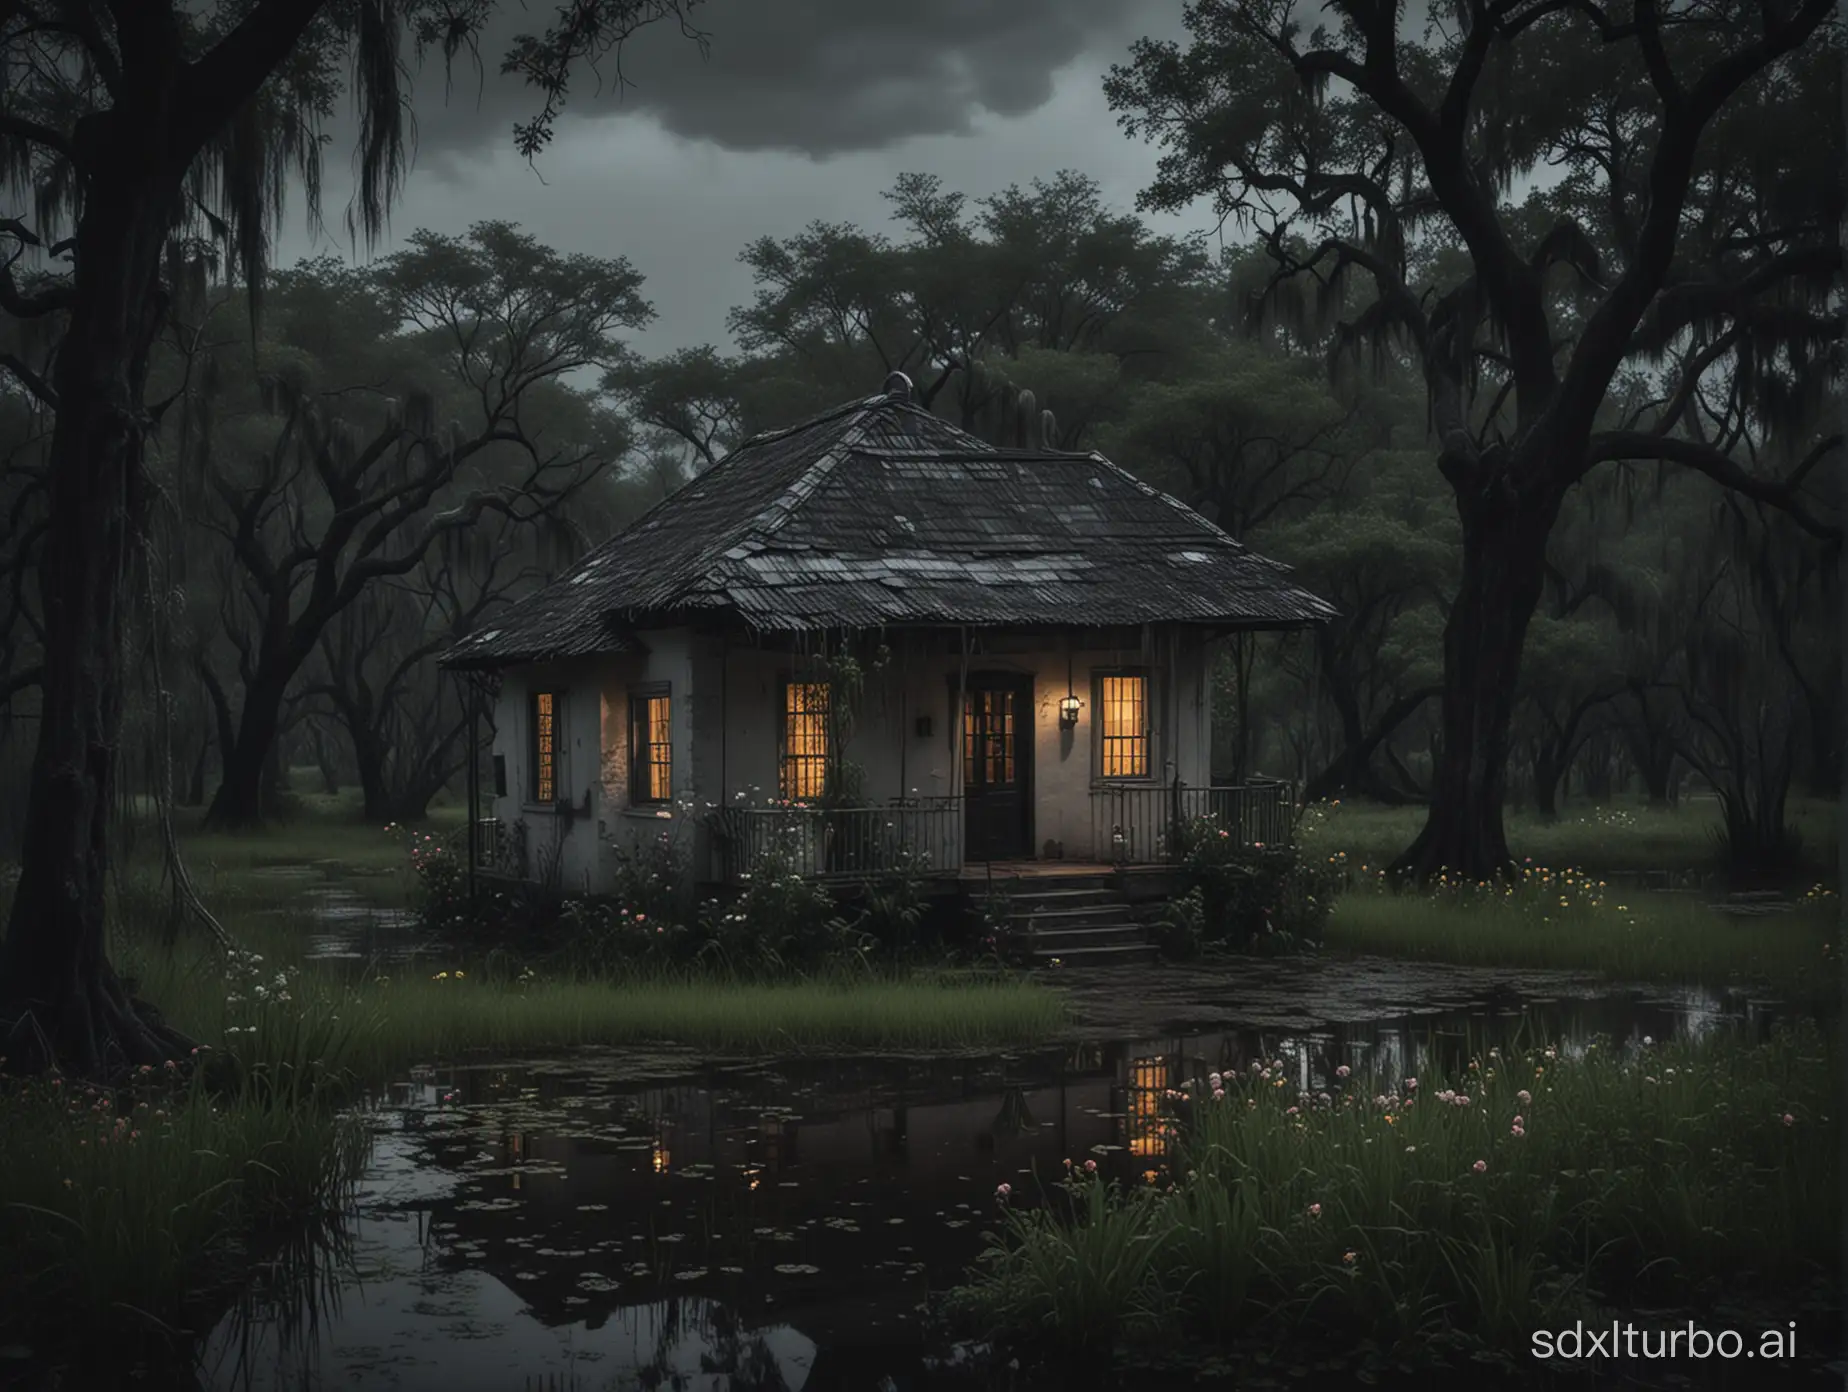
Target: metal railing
(839,842)
(1135,823)
(500,848)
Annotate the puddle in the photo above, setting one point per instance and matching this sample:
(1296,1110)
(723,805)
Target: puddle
(352,928)
(611,1220)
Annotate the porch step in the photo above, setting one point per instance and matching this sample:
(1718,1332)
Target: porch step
(1038,899)
(1097,956)
(1073,918)
(1082,916)
(1060,940)
(1091,882)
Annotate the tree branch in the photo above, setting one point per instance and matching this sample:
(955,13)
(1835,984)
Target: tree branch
(1719,466)
(29,379)
(220,81)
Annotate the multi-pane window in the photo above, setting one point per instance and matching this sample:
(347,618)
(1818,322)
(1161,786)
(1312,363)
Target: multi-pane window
(651,753)
(545,746)
(1147,1127)
(1123,710)
(804,767)
(988,738)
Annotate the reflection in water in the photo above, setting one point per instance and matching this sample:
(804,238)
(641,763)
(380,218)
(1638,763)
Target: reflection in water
(1147,1132)
(773,1227)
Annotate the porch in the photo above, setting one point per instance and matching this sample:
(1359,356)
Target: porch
(1130,826)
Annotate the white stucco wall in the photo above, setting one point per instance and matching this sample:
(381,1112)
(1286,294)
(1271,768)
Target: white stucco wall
(569,836)
(916,681)
(725,699)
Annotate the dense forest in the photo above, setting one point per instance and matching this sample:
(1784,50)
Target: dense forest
(313,554)
(1520,346)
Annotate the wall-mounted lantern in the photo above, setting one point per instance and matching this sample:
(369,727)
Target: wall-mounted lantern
(1068,708)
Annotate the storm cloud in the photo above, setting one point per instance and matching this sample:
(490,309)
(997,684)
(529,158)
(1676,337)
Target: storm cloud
(803,110)
(809,77)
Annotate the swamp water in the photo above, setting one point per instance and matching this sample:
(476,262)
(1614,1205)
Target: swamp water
(617,1220)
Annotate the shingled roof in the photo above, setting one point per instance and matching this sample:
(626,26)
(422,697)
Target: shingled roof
(880,513)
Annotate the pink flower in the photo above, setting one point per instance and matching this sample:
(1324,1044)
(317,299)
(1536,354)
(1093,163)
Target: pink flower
(1517,1131)
(1002,1191)
(1290,1111)
(1315,1210)
(1523,1097)
(1480,1166)
(1219,1094)
(1410,1083)
(1462,1099)
(1343,1071)
(1520,1121)
(1090,1167)
(1789,1120)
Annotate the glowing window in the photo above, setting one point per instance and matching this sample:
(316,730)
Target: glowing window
(651,752)
(804,767)
(1123,704)
(545,746)
(988,739)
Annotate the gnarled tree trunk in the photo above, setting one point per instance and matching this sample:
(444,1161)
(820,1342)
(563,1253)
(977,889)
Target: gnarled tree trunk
(60,1001)
(1504,553)
(250,779)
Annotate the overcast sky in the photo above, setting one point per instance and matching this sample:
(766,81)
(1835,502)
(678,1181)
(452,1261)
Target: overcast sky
(803,110)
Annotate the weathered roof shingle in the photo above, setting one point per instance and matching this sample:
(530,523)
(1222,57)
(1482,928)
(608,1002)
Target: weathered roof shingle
(881,513)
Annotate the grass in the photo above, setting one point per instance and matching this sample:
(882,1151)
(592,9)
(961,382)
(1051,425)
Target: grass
(1626,935)
(1407,1219)
(1571,918)
(1602,840)
(128,1214)
(235,870)
(405,1015)
(413,1016)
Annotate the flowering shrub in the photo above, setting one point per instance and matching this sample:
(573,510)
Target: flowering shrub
(1084,1264)
(649,877)
(442,878)
(892,911)
(783,918)
(1181,929)
(1253,895)
(602,937)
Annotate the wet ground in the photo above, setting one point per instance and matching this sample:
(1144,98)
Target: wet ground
(613,1220)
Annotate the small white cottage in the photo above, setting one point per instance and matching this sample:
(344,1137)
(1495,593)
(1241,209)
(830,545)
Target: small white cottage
(874,637)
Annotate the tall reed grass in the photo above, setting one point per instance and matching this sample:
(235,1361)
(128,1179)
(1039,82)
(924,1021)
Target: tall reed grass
(1422,1216)
(128,1214)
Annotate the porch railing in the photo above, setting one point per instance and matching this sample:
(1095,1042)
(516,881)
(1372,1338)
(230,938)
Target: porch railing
(1135,823)
(500,848)
(839,842)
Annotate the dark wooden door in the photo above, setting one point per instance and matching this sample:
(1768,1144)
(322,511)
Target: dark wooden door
(997,767)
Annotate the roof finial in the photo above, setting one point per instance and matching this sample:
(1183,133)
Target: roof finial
(898,387)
